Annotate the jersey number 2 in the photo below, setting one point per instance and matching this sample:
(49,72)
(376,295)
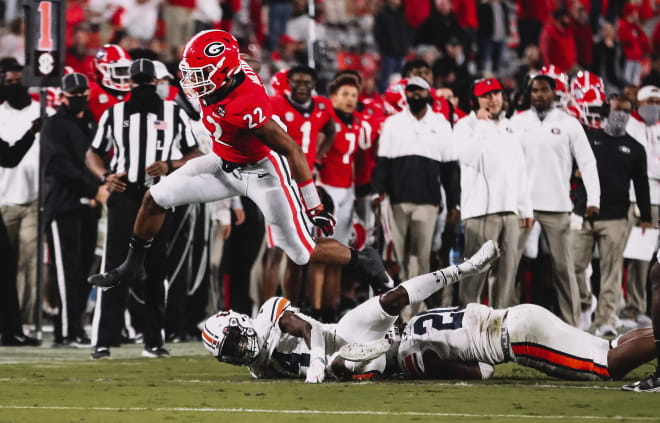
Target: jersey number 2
(439,319)
(259,114)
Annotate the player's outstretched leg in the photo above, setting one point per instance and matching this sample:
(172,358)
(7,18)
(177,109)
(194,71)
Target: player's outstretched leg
(413,290)
(652,383)
(421,287)
(149,220)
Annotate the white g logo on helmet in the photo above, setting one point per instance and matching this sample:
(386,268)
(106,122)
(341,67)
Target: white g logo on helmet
(214,49)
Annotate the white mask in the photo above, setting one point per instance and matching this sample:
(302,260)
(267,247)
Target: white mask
(163,89)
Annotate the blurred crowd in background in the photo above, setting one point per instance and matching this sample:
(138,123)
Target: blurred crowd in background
(218,254)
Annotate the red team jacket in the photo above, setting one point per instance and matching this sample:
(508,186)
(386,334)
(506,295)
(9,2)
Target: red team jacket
(303,129)
(231,120)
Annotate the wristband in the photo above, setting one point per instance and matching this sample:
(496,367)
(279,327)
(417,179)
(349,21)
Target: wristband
(105,176)
(310,195)
(170,166)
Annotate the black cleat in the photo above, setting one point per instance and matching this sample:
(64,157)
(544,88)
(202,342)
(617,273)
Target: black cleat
(19,340)
(371,267)
(650,384)
(73,342)
(100,353)
(116,276)
(155,352)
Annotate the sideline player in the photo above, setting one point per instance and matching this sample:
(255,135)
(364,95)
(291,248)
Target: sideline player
(309,121)
(112,84)
(465,342)
(253,157)
(652,382)
(281,342)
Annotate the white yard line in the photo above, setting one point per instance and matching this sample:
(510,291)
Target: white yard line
(325,412)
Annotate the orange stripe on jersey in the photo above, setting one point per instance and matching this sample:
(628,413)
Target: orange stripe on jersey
(283,302)
(208,338)
(555,357)
(364,376)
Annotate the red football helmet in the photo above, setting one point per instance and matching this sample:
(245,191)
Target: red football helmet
(112,63)
(395,97)
(590,107)
(209,59)
(560,77)
(280,83)
(585,80)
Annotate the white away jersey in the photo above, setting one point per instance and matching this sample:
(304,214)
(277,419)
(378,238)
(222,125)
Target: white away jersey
(282,354)
(471,333)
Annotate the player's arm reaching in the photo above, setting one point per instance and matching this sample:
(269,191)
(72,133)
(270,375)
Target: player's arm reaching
(326,139)
(311,331)
(451,369)
(273,136)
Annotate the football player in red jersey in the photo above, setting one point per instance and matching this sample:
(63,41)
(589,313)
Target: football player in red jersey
(337,178)
(254,157)
(112,80)
(310,122)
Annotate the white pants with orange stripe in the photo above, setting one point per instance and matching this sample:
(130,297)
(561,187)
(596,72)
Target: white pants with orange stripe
(268,183)
(543,341)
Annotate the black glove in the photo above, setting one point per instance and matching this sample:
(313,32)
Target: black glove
(323,219)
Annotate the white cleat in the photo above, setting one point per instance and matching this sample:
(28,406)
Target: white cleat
(364,352)
(481,260)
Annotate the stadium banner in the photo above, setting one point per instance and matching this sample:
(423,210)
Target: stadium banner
(45,24)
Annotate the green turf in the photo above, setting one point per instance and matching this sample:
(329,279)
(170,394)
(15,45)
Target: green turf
(196,388)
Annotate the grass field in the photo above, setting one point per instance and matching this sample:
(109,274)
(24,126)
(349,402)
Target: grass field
(47,385)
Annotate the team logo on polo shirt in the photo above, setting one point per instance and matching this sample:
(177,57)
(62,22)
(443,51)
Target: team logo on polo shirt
(288,116)
(555,131)
(509,130)
(624,149)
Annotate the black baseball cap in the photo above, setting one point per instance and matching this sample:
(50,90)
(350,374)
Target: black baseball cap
(75,83)
(143,69)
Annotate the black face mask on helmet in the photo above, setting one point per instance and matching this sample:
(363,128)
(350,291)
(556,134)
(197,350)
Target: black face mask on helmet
(16,95)
(77,104)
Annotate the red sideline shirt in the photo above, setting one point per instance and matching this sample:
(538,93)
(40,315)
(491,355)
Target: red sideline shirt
(337,170)
(100,100)
(232,119)
(303,128)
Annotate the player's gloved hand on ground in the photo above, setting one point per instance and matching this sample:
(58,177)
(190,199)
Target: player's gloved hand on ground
(316,371)
(323,219)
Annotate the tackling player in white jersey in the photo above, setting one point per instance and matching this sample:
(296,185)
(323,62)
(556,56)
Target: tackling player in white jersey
(465,342)
(281,342)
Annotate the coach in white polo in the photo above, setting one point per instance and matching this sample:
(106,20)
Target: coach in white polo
(551,139)
(644,126)
(495,199)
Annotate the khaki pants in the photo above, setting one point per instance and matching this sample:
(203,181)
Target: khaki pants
(611,237)
(412,228)
(557,230)
(21,222)
(638,271)
(180,27)
(505,229)
(215,284)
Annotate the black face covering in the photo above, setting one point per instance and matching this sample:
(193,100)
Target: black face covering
(417,104)
(77,104)
(16,95)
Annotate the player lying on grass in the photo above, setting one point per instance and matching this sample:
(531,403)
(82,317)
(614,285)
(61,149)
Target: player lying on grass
(465,342)
(281,342)
(652,383)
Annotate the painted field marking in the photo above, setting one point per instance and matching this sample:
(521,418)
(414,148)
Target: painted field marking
(324,412)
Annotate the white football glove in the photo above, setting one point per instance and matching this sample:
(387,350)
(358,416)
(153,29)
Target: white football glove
(316,371)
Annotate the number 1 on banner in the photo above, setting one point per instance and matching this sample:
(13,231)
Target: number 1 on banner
(45,32)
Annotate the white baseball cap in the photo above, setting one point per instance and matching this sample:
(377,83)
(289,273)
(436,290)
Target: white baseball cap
(649,91)
(161,70)
(418,81)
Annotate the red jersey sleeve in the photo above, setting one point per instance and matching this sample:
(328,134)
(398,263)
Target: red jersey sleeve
(249,111)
